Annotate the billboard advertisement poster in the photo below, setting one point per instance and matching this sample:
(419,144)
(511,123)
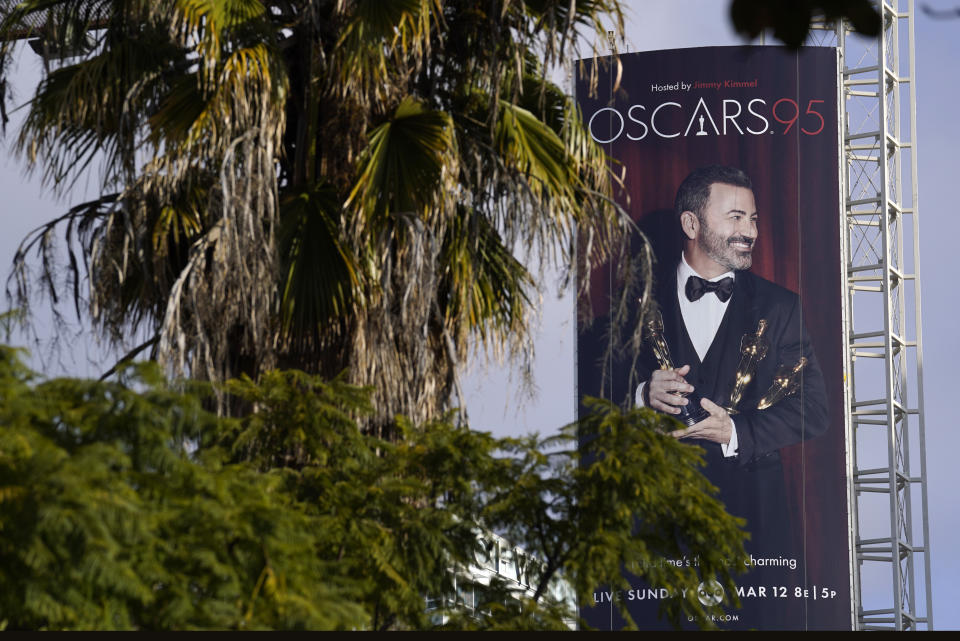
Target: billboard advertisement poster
(730,166)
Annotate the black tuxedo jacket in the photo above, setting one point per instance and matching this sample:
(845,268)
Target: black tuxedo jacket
(751,484)
(760,433)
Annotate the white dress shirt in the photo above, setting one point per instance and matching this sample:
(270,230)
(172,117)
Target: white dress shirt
(702,319)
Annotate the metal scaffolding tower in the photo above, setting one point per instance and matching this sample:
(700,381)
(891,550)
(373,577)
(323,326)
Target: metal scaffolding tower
(882,328)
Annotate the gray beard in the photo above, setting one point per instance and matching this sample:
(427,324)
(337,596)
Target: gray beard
(722,253)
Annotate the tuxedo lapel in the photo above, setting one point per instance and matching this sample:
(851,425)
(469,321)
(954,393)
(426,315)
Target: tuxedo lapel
(678,339)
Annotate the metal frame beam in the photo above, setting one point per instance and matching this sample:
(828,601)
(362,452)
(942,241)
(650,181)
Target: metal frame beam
(882,323)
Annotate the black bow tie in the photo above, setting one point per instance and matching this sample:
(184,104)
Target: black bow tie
(697,287)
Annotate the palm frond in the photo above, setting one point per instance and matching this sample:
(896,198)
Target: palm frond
(408,163)
(419,146)
(310,245)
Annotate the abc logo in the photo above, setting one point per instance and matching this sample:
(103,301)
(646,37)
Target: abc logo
(710,593)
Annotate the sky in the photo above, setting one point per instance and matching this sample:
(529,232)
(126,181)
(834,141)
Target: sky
(493,394)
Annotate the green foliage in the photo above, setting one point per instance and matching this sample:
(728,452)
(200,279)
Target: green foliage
(614,493)
(109,522)
(128,505)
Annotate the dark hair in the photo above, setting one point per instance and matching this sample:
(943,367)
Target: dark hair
(694,191)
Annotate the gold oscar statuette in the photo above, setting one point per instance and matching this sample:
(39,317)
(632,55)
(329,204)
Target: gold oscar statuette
(785,382)
(753,347)
(691,413)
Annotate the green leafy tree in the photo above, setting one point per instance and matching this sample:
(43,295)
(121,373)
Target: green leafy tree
(128,505)
(108,523)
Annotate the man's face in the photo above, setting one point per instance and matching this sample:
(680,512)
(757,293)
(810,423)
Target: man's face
(728,227)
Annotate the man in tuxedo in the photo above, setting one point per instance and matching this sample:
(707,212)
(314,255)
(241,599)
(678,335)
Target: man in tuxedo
(709,301)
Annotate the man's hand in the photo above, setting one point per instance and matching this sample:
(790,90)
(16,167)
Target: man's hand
(663,387)
(716,427)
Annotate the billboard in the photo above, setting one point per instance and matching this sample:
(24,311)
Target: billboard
(730,166)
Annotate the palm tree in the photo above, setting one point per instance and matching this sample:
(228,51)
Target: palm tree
(329,185)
